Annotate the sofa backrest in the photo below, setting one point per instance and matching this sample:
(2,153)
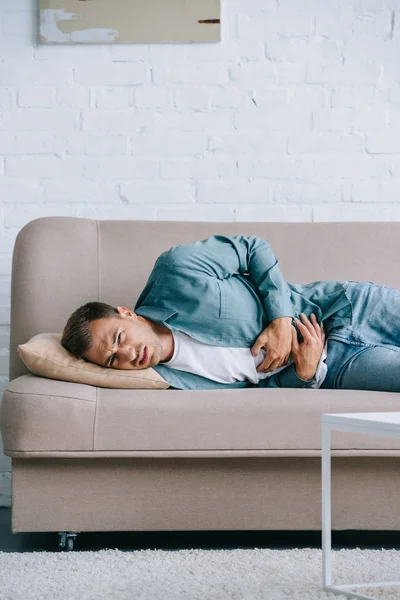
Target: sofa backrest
(59,263)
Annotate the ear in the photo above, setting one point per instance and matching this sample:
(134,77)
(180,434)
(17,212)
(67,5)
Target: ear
(125,312)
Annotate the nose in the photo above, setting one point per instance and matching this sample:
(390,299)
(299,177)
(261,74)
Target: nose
(126,353)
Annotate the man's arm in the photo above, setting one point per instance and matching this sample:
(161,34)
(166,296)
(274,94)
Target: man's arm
(308,369)
(223,256)
(287,378)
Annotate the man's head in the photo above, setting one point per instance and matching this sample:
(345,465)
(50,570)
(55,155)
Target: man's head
(112,337)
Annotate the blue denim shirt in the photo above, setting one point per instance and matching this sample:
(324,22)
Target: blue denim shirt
(224,291)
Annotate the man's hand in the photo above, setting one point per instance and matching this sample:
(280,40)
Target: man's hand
(277,341)
(307,354)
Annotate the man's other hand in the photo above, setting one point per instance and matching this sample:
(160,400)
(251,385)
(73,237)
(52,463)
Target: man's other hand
(277,341)
(307,354)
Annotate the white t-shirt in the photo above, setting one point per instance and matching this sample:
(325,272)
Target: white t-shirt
(227,365)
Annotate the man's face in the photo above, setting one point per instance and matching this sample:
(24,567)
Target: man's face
(124,342)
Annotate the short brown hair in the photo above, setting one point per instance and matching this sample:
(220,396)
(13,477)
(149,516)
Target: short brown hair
(76,337)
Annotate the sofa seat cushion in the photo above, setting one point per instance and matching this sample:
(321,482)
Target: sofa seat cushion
(41,417)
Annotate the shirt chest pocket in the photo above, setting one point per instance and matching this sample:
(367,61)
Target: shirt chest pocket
(190,294)
(239,300)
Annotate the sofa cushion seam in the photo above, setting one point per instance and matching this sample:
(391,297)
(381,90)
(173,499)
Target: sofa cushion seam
(48,395)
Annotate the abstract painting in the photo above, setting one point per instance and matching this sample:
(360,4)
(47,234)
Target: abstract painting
(129,21)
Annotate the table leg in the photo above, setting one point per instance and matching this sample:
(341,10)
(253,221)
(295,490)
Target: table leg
(326,506)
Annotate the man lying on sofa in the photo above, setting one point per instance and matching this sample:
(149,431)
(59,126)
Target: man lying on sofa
(217,313)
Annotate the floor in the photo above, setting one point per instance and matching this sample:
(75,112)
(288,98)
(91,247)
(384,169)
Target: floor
(177,540)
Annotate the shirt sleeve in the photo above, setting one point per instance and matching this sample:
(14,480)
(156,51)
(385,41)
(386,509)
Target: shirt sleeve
(224,256)
(287,378)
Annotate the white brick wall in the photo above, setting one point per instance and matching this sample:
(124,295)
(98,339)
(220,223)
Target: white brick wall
(294,116)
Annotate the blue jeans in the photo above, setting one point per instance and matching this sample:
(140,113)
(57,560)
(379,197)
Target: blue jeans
(366,354)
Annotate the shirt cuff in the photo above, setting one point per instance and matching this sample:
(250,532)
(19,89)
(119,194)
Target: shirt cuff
(322,369)
(278,305)
(289,378)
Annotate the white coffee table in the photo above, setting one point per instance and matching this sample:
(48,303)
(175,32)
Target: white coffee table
(380,423)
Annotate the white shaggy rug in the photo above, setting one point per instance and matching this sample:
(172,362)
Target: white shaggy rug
(242,574)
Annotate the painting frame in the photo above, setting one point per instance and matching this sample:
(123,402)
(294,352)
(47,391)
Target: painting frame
(129,21)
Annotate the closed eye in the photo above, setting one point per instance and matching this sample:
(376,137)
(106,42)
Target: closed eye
(112,361)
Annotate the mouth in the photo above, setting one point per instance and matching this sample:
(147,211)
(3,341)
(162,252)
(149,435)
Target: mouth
(144,357)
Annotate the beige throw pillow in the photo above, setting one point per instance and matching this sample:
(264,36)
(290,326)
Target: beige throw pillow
(44,356)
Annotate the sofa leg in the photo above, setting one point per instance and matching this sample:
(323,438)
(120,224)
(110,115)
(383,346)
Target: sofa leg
(67,539)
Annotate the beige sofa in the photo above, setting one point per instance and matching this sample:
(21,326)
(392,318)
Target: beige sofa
(95,459)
